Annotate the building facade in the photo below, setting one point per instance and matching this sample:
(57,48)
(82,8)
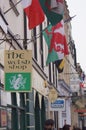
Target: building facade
(28,110)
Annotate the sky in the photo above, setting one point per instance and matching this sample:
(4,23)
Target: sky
(78,8)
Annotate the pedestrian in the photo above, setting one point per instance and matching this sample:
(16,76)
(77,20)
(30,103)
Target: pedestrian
(84,128)
(66,127)
(49,124)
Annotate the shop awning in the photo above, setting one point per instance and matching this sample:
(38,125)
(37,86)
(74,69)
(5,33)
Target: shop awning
(80,110)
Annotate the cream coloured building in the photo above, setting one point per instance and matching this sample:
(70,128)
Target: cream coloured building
(29,109)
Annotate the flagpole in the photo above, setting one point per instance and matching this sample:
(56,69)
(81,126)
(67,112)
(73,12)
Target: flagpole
(12,7)
(69,19)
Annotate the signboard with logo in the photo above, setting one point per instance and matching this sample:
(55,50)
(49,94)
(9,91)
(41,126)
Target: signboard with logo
(18,70)
(58,105)
(52,95)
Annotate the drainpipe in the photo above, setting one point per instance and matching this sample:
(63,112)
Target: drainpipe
(27,94)
(22,95)
(25,33)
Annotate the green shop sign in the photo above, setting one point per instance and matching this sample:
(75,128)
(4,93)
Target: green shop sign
(18,70)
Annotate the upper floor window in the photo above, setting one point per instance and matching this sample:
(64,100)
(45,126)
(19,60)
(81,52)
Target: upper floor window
(41,47)
(35,43)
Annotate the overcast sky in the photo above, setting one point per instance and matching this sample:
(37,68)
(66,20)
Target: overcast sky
(78,8)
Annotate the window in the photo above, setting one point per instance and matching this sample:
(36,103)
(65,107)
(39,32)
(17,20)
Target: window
(35,43)
(85,92)
(9,118)
(53,73)
(75,93)
(41,47)
(50,72)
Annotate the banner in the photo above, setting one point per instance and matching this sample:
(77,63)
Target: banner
(18,70)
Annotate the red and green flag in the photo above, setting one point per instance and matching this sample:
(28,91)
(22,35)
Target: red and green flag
(53,9)
(52,56)
(56,41)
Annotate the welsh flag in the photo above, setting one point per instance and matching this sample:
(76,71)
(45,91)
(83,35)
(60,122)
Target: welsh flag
(56,41)
(53,9)
(33,12)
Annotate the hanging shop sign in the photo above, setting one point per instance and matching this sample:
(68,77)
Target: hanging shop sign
(80,104)
(18,70)
(58,105)
(52,95)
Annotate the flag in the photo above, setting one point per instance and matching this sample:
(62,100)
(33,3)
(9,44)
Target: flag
(33,12)
(56,41)
(53,10)
(81,85)
(60,65)
(53,55)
